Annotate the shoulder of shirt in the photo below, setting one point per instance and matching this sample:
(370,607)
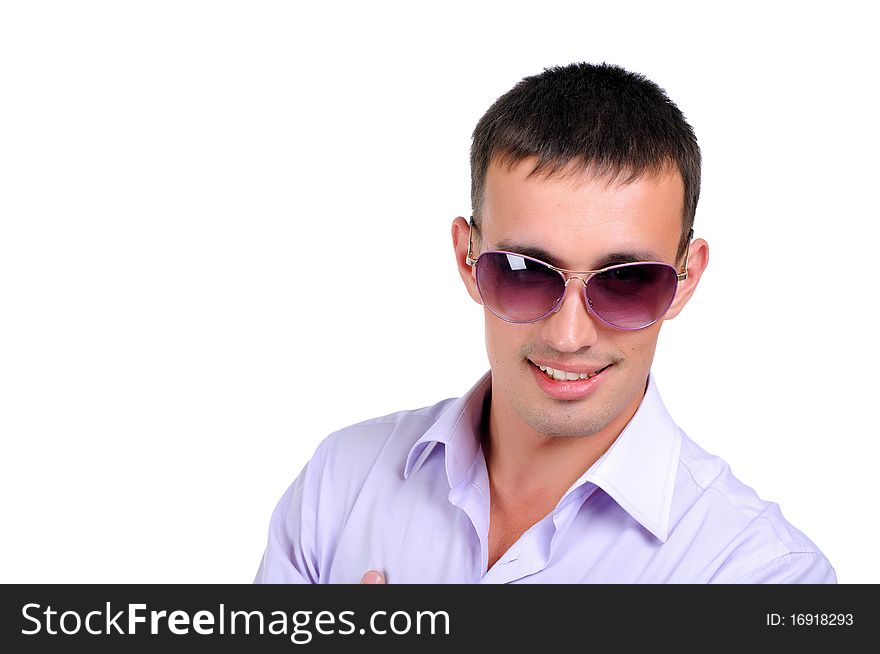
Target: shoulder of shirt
(414,421)
(389,438)
(760,534)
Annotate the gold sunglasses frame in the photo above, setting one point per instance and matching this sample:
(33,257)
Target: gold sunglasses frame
(568,275)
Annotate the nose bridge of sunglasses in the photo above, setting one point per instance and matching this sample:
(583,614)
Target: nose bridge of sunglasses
(581,292)
(578,277)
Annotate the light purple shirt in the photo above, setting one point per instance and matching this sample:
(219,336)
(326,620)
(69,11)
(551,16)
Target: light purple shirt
(408,494)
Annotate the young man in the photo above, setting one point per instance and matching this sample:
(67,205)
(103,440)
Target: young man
(561,463)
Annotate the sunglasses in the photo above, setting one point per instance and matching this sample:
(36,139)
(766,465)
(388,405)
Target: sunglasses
(520,289)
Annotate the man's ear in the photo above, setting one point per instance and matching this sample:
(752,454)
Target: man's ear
(461,232)
(698,259)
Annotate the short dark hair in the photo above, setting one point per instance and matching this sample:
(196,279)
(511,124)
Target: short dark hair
(597,117)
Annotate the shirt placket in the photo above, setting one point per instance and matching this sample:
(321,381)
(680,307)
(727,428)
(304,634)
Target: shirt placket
(526,556)
(534,549)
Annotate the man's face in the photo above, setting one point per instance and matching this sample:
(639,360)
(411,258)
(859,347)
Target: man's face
(579,221)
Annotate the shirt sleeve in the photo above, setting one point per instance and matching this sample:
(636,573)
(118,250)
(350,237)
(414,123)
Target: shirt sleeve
(289,557)
(792,568)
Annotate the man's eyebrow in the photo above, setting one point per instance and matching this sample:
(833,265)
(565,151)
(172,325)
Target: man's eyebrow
(611,259)
(630,256)
(527,250)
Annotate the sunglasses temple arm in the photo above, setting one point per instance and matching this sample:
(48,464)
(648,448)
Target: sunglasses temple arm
(470,259)
(683,275)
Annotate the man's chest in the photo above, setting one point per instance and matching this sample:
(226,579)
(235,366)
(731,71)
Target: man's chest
(425,532)
(508,525)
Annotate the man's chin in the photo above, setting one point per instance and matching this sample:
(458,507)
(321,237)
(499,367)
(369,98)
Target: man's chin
(573,424)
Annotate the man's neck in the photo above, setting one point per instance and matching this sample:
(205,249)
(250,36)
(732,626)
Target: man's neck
(525,465)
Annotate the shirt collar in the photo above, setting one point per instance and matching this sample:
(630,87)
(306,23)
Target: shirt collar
(640,467)
(457,429)
(638,470)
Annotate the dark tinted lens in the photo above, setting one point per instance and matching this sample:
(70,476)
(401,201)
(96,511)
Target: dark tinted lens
(632,296)
(516,288)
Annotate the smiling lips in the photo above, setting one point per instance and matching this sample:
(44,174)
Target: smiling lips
(567,384)
(568,375)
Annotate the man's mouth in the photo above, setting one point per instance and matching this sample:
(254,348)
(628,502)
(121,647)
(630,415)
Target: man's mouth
(562,375)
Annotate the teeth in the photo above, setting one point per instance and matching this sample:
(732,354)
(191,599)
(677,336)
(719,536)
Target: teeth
(561,375)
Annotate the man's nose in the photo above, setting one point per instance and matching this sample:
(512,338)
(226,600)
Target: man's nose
(572,326)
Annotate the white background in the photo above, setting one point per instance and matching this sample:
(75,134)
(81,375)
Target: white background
(224,233)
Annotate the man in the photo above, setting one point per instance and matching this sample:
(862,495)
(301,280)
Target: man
(561,463)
